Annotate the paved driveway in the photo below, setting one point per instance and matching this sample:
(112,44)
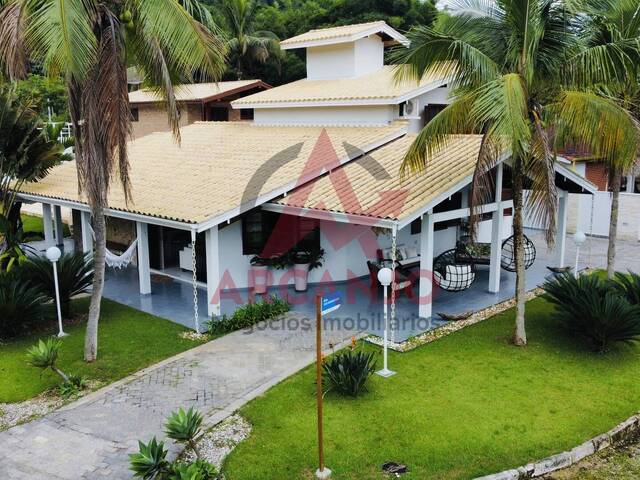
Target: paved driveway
(91,438)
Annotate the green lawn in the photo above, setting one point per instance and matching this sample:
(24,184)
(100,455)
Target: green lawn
(128,341)
(466,405)
(33,223)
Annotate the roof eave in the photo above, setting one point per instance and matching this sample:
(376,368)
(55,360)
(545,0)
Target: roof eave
(396,38)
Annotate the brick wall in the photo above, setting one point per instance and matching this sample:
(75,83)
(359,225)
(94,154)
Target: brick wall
(596,173)
(153,118)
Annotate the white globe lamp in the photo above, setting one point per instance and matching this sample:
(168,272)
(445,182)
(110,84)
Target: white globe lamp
(385,277)
(53,254)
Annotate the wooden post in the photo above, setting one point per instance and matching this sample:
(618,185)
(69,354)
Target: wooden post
(319,382)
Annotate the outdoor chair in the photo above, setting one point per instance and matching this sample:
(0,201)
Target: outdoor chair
(402,283)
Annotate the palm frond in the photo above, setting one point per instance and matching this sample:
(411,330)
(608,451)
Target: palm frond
(13,53)
(60,34)
(609,130)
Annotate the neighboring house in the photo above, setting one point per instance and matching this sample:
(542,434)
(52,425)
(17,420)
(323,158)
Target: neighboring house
(318,167)
(592,214)
(197,102)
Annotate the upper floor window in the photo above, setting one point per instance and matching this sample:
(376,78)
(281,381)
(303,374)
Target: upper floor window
(246,114)
(135,114)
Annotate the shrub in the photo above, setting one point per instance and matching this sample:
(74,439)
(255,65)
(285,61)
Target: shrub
(248,315)
(347,372)
(20,305)
(44,355)
(628,286)
(198,470)
(150,461)
(75,384)
(593,308)
(75,275)
(184,426)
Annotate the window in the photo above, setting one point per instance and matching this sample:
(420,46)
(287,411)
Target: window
(269,233)
(431,111)
(135,114)
(246,114)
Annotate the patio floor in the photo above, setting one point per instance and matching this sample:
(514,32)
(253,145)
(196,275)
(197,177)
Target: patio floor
(360,311)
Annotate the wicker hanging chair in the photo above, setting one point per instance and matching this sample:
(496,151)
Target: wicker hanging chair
(454,270)
(508,259)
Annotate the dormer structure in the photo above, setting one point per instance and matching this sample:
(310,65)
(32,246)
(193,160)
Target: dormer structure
(348,51)
(347,83)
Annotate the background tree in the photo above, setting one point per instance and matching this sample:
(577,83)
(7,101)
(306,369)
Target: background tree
(26,155)
(247,46)
(89,43)
(506,60)
(611,32)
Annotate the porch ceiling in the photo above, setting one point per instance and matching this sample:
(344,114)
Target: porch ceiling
(220,169)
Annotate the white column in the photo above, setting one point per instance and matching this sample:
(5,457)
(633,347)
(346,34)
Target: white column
(144,272)
(497,227)
(47,225)
(631,182)
(426,266)
(87,238)
(561,231)
(212,251)
(57,215)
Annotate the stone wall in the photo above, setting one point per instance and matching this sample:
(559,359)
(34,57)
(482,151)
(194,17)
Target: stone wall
(120,233)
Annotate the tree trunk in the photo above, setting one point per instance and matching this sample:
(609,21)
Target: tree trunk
(61,373)
(519,334)
(91,336)
(616,178)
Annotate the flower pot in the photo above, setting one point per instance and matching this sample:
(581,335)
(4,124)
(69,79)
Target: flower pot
(260,275)
(300,276)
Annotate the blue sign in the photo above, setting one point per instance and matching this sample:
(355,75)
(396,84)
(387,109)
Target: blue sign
(330,302)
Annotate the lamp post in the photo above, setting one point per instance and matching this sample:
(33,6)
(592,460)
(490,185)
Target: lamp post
(578,238)
(385,276)
(53,254)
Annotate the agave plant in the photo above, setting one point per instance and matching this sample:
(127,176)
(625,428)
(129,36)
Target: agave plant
(347,373)
(184,426)
(75,276)
(198,470)
(150,461)
(44,355)
(590,307)
(20,305)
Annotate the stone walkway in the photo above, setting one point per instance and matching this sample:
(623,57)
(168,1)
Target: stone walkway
(91,438)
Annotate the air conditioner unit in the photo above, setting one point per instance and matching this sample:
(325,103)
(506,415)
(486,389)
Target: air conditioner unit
(409,109)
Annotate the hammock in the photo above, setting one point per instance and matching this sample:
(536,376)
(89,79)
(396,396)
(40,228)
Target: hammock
(118,261)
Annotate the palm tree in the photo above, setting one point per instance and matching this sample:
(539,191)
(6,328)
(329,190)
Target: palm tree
(506,60)
(246,46)
(612,36)
(90,43)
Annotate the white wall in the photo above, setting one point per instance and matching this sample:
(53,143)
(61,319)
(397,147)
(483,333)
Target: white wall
(347,248)
(345,60)
(592,213)
(357,115)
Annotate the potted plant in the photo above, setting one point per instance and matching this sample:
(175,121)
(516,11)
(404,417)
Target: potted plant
(260,272)
(303,262)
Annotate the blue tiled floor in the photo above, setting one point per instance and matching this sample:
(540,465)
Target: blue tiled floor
(361,311)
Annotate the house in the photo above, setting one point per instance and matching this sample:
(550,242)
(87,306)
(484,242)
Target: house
(317,167)
(197,102)
(592,214)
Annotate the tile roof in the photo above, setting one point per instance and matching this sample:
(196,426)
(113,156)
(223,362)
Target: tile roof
(377,87)
(371,186)
(219,167)
(344,33)
(197,91)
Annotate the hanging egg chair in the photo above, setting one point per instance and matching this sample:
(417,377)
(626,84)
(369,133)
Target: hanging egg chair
(454,270)
(508,258)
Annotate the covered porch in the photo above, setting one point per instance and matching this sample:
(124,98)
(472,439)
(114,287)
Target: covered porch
(173,299)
